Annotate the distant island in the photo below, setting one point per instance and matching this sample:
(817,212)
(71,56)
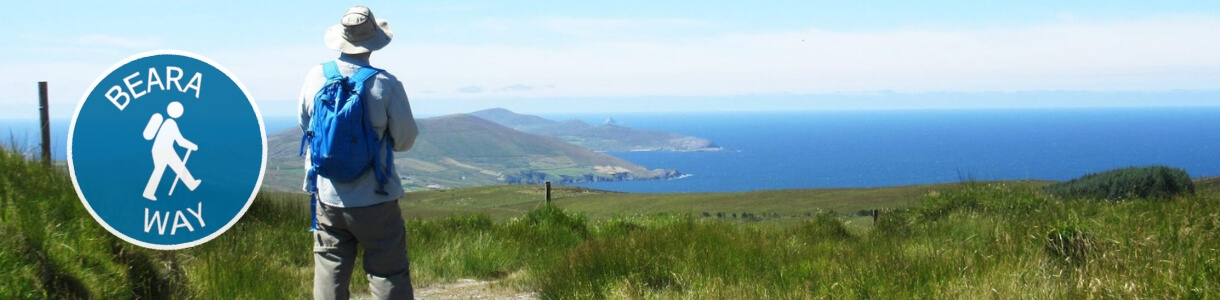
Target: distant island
(464,150)
(607,137)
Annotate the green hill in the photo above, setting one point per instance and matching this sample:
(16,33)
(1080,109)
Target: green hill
(503,202)
(952,241)
(605,137)
(462,150)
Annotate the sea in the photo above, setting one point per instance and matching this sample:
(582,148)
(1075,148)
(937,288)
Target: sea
(859,149)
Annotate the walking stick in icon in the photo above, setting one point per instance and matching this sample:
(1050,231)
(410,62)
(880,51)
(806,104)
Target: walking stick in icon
(177,178)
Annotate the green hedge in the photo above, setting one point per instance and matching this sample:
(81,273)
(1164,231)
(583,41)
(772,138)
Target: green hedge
(1158,182)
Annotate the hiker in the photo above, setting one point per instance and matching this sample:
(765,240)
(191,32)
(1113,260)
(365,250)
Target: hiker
(163,154)
(363,211)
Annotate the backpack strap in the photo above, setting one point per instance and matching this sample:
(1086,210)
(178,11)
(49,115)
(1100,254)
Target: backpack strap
(380,171)
(313,211)
(362,75)
(383,176)
(331,70)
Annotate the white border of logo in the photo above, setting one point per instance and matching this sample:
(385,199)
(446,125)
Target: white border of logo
(261,171)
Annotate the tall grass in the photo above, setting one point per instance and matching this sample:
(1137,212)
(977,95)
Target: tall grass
(976,240)
(52,248)
(979,240)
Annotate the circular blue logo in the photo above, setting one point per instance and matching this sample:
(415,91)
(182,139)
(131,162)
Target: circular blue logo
(167,150)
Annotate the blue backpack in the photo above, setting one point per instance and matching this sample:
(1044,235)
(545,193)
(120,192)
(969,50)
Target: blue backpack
(342,143)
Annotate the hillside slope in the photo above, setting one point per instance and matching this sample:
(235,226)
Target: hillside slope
(605,137)
(463,150)
(507,201)
(971,240)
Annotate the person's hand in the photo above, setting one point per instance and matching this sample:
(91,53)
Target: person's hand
(192,147)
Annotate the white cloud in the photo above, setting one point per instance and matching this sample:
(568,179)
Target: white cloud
(1153,54)
(471,89)
(64,87)
(451,8)
(523,88)
(120,42)
(603,28)
(516,88)
(90,43)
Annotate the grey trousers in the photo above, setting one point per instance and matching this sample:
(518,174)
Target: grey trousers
(379,229)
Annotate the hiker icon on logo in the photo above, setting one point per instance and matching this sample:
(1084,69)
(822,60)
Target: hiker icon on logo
(149,132)
(164,134)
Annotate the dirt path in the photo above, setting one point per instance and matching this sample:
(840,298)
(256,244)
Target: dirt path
(471,289)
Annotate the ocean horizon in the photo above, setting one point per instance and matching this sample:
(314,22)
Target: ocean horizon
(862,149)
(878,148)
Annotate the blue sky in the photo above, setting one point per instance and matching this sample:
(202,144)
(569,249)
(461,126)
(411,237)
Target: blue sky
(630,56)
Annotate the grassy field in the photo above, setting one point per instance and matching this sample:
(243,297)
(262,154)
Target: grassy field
(969,240)
(502,202)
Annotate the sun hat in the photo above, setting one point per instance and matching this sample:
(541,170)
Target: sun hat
(358,32)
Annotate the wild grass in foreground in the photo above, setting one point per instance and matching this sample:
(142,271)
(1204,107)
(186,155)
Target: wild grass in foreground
(54,249)
(968,241)
(972,241)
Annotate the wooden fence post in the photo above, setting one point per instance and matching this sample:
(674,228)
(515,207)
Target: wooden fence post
(875,214)
(548,192)
(44,112)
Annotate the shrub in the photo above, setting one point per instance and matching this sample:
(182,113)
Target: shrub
(1158,182)
(895,223)
(549,227)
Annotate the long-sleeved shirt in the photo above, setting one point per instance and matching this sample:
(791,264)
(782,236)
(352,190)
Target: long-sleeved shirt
(388,110)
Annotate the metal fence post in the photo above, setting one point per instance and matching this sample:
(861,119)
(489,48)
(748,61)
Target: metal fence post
(44,112)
